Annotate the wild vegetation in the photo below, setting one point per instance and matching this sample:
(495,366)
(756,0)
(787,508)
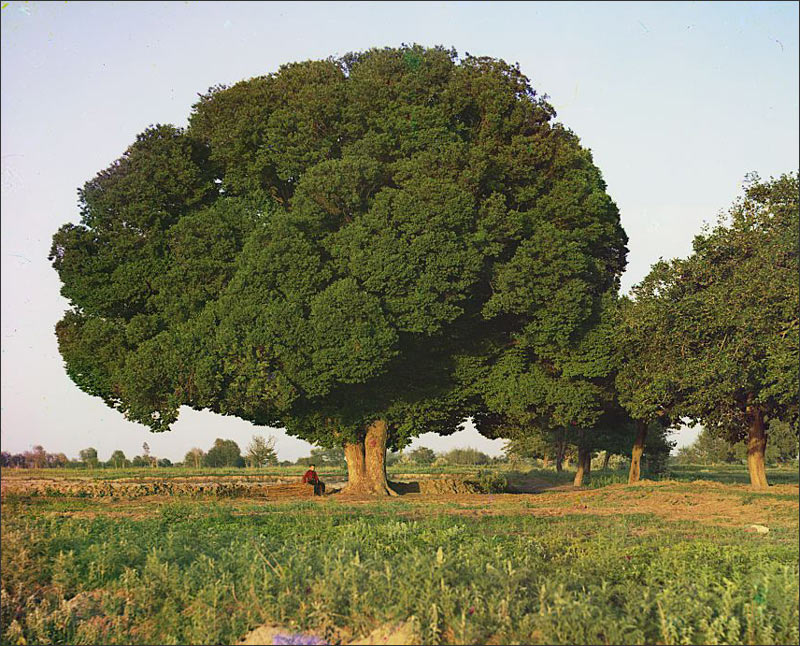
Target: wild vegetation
(670,562)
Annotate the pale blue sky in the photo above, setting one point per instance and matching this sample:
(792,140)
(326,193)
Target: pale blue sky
(678,101)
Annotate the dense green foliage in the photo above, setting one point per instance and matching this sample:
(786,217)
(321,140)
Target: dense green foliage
(563,404)
(342,240)
(713,334)
(465,456)
(224,453)
(421,455)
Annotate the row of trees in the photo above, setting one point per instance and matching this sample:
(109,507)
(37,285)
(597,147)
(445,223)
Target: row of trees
(366,248)
(420,456)
(36,458)
(224,453)
(260,452)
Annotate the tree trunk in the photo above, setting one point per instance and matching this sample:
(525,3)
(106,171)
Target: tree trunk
(545,461)
(375,458)
(756,447)
(356,472)
(584,466)
(566,461)
(605,460)
(636,454)
(560,453)
(366,463)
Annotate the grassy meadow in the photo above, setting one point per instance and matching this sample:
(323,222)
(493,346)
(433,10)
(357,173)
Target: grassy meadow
(668,562)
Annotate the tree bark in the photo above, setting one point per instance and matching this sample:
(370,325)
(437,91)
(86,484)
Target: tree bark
(375,458)
(756,447)
(560,453)
(356,471)
(584,466)
(605,460)
(545,461)
(636,454)
(366,463)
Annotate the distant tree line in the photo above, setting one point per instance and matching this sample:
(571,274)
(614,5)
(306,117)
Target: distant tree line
(223,453)
(260,452)
(712,449)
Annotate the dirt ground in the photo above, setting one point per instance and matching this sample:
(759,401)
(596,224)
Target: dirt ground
(704,501)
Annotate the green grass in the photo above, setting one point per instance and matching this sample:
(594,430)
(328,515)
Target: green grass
(207,572)
(727,474)
(190,472)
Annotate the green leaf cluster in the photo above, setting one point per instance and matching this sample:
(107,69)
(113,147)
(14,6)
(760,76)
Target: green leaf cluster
(710,335)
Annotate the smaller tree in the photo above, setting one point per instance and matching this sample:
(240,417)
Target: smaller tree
(56,460)
(224,453)
(151,460)
(164,462)
(118,459)
(713,337)
(194,458)
(89,457)
(38,457)
(707,448)
(421,455)
(261,451)
(140,461)
(783,444)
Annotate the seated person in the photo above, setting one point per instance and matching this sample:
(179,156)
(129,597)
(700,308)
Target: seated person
(312,478)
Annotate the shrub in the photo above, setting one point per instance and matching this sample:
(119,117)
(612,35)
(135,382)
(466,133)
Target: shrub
(490,481)
(466,456)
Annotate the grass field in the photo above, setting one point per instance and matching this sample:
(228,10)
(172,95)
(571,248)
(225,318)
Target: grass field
(660,562)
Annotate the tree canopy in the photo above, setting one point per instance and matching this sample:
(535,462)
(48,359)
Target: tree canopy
(339,243)
(714,337)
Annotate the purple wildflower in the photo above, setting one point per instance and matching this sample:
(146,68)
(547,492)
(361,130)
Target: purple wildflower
(298,639)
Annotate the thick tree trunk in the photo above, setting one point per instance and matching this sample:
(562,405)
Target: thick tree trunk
(356,471)
(366,463)
(756,447)
(545,461)
(584,466)
(636,454)
(605,460)
(375,458)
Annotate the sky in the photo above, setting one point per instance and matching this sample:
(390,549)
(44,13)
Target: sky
(677,101)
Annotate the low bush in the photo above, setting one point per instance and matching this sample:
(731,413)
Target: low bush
(490,481)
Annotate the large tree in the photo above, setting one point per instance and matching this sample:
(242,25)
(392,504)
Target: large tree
(714,337)
(334,248)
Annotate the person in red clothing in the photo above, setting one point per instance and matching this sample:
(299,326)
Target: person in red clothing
(312,478)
